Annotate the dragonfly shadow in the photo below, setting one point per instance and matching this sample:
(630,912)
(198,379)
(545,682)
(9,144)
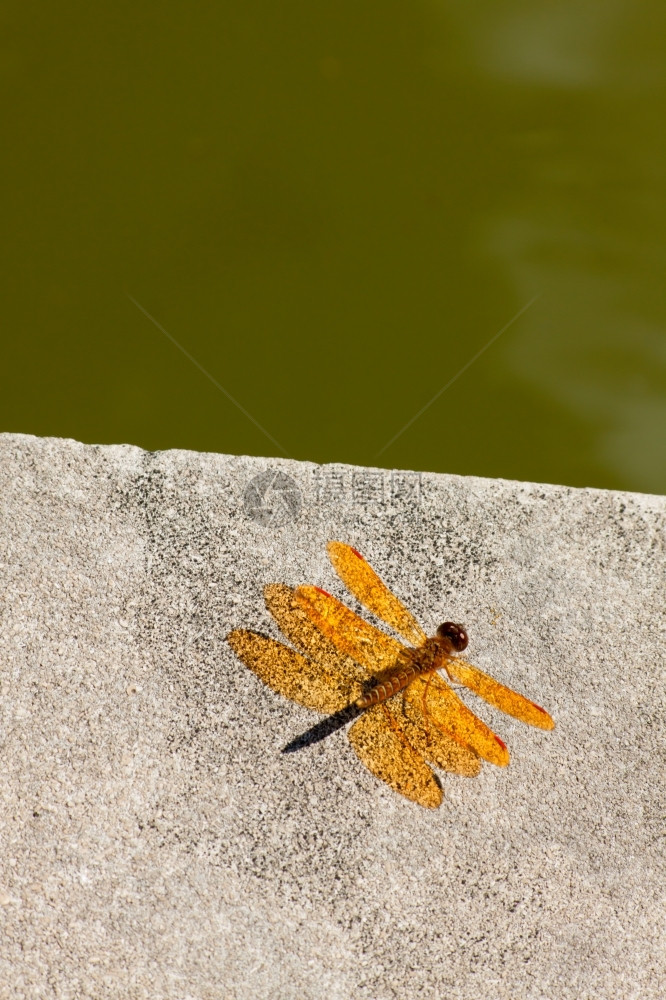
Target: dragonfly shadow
(323,729)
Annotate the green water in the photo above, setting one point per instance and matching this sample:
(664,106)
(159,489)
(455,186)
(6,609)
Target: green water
(333,208)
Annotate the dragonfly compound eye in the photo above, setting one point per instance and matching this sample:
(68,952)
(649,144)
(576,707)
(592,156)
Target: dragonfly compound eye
(456,635)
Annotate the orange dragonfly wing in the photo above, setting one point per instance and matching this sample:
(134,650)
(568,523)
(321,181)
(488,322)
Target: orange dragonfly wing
(437,746)
(497,694)
(322,686)
(299,628)
(352,635)
(361,580)
(321,679)
(430,698)
(384,749)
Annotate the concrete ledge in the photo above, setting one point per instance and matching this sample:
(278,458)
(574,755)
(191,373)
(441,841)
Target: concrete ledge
(156,843)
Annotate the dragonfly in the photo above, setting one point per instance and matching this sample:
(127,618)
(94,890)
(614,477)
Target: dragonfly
(400,692)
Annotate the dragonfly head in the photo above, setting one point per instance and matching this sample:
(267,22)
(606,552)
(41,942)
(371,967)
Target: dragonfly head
(455,636)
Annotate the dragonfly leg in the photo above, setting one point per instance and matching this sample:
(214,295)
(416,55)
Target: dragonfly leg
(397,729)
(424,707)
(448,672)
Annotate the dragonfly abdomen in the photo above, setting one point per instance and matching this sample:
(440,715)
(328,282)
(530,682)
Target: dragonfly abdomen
(390,686)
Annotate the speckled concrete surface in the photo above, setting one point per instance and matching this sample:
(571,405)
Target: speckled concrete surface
(156,843)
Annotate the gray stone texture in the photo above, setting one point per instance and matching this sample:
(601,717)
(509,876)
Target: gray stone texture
(154,840)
